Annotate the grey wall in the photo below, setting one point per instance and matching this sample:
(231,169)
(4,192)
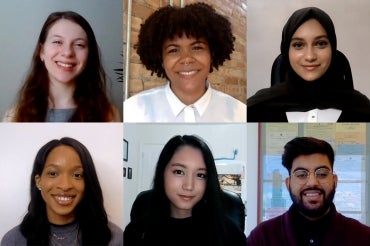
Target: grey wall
(20,25)
(266,19)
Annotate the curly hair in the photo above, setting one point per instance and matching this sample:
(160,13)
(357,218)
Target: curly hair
(198,20)
(90,95)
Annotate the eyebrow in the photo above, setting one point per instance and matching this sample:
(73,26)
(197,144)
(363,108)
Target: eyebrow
(77,166)
(301,168)
(176,164)
(193,43)
(76,39)
(302,39)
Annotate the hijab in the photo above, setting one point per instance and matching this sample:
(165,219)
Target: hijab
(334,89)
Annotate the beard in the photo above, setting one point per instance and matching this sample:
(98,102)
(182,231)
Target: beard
(316,212)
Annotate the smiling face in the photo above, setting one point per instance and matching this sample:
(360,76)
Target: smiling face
(310,51)
(65,51)
(62,184)
(185,179)
(187,62)
(313,197)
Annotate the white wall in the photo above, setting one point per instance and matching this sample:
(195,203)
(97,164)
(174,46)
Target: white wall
(221,138)
(266,19)
(19,144)
(20,25)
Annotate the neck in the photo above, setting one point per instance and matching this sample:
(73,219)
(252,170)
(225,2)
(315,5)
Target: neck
(189,98)
(61,96)
(317,217)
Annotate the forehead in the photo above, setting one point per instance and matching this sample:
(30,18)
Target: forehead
(311,162)
(309,28)
(184,40)
(63,156)
(189,157)
(66,28)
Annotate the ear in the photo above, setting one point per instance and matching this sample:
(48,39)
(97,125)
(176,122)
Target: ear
(287,183)
(41,54)
(335,180)
(37,180)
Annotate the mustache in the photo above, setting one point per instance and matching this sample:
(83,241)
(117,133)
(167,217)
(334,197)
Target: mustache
(313,189)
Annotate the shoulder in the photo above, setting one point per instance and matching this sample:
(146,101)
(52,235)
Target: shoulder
(9,115)
(352,224)
(219,95)
(117,235)
(13,237)
(147,94)
(266,230)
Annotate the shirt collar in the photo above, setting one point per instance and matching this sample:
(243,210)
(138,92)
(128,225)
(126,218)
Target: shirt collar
(177,106)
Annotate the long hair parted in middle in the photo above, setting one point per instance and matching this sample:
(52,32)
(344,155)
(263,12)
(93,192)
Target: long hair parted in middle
(90,95)
(90,213)
(210,206)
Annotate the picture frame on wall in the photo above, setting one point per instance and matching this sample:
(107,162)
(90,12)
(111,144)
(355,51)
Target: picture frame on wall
(125,150)
(129,173)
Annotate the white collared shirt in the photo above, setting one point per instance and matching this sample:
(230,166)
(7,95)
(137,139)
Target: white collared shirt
(162,105)
(315,115)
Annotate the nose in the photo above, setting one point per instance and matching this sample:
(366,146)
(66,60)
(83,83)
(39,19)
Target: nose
(188,183)
(67,50)
(64,182)
(312,180)
(187,58)
(310,54)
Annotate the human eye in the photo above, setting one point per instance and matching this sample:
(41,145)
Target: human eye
(52,173)
(178,172)
(56,41)
(322,173)
(202,175)
(81,45)
(78,175)
(297,45)
(301,174)
(322,43)
(198,47)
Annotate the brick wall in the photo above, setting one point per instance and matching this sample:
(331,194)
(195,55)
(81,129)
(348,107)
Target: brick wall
(230,78)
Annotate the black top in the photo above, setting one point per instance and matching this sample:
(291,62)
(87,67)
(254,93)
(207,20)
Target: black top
(180,232)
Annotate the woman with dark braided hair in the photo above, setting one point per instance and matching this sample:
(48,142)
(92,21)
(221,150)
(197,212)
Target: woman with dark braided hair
(184,45)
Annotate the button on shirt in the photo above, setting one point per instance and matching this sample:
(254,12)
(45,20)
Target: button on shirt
(315,115)
(162,105)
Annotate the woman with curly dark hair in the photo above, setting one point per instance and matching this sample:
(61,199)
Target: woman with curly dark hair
(66,206)
(66,81)
(184,45)
(186,203)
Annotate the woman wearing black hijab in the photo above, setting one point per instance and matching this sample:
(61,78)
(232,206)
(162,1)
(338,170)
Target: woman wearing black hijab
(328,97)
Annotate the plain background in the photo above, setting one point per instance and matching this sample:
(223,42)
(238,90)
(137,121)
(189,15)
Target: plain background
(20,25)
(19,144)
(266,19)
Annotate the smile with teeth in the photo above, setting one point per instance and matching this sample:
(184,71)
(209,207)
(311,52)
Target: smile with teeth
(63,199)
(188,73)
(66,65)
(312,194)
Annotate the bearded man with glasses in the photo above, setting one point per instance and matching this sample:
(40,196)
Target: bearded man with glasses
(312,219)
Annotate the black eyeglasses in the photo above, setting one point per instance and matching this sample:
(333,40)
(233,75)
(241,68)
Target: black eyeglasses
(322,175)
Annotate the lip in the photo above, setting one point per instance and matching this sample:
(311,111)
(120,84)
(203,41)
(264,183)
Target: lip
(312,194)
(65,65)
(186,198)
(64,200)
(310,67)
(187,73)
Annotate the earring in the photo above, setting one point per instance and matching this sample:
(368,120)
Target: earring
(39,187)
